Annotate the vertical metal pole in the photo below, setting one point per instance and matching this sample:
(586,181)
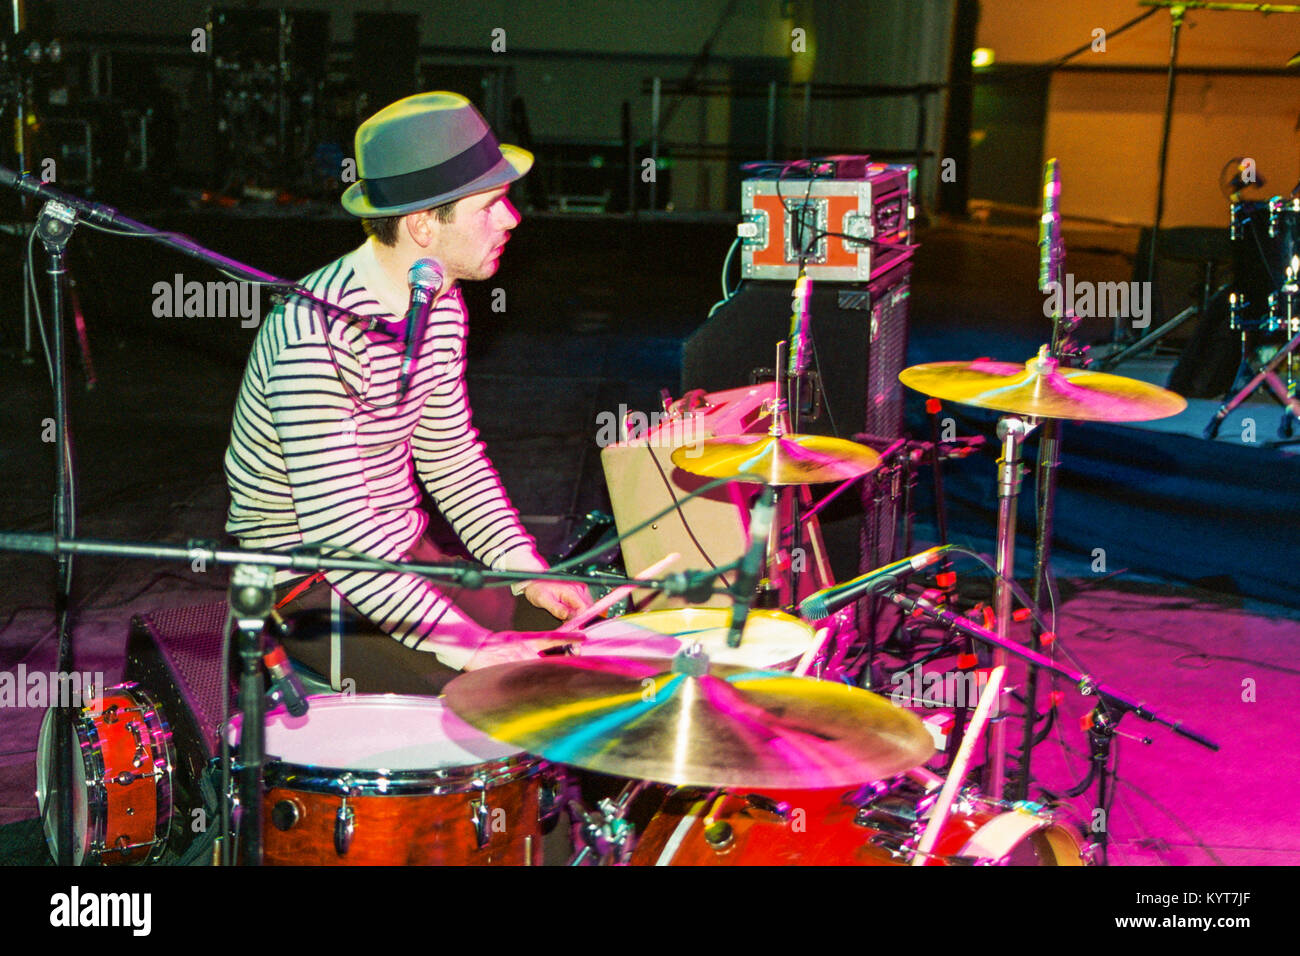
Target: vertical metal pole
(20,142)
(1049,457)
(27,294)
(1176,25)
(252,743)
(1011,432)
(63,528)
(771,119)
(629,149)
(807,116)
(654,144)
(922,119)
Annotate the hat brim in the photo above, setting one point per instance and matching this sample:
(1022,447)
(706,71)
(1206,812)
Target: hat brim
(515,162)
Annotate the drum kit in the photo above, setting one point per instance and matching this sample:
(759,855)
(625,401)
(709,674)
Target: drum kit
(725,755)
(715,745)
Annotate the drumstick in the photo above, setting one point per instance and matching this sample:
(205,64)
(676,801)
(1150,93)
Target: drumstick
(958,772)
(616,595)
(805,662)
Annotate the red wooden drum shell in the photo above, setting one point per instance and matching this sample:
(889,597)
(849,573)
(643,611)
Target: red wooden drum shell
(122,787)
(834,828)
(391,780)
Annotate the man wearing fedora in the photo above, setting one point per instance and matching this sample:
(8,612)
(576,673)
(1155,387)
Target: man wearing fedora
(327,444)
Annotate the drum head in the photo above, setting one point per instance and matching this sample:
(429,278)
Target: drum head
(47,791)
(1020,837)
(770,638)
(373,732)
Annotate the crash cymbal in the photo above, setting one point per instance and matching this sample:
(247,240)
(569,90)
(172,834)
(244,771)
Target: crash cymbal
(728,727)
(784,460)
(1039,388)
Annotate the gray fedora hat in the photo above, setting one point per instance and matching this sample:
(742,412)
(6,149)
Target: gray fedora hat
(426,150)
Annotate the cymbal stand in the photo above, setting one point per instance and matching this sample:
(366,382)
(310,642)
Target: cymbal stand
(607,833)
(1062,350)
(1012,432)
(1266,376)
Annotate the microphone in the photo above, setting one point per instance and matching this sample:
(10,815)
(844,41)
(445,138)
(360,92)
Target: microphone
(751,565)
(799,332)
(827,601)
(286,686)
(1049,226)
(425,279)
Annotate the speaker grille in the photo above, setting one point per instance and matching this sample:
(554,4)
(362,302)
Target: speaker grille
(189,641)
(886,354)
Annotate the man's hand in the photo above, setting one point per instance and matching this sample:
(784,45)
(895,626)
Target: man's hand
(559,598)
(502,647)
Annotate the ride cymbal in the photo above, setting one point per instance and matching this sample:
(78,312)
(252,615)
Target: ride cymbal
(779,460)
(1039,388)
(649,719)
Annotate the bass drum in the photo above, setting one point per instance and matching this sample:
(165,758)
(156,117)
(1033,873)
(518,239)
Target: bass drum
(876,825)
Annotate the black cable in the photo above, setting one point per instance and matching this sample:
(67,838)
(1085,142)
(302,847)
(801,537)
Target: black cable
(286,290)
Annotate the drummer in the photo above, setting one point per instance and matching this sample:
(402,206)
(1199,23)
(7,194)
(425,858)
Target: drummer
(326,449)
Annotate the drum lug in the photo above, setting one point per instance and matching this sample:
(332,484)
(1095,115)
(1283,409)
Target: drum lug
(480,815)
(135,729)
(345,823)
(548,797)
(127,777)
(778,809)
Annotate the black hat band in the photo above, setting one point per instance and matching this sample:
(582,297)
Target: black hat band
(446,177)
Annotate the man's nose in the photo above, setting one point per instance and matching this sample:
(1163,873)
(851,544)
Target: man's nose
(509,214)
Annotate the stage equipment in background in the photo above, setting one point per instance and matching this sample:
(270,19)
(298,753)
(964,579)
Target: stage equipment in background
(268,75)
(1177,13)
(1264,307)
(842,218)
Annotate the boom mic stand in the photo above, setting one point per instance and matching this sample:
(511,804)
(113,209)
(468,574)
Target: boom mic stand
(250,600)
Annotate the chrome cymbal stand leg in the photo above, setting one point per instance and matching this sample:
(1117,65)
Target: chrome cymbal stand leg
(608,836)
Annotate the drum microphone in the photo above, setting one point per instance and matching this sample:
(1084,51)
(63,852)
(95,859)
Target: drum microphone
(798,362)
(425,279)
(286,686)
(1049,226)
(751,565)
(827,601)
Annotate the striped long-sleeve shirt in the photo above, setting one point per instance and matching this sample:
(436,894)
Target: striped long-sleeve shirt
(308,464)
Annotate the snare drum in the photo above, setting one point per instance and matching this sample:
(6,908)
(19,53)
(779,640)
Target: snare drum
(771,639)
(384,779)
(878,825)
(121,780)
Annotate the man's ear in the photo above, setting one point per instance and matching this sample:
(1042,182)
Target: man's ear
(421,227)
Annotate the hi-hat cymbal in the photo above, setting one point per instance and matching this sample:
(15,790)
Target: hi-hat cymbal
(1040,389)
(729,727)
(787,460)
